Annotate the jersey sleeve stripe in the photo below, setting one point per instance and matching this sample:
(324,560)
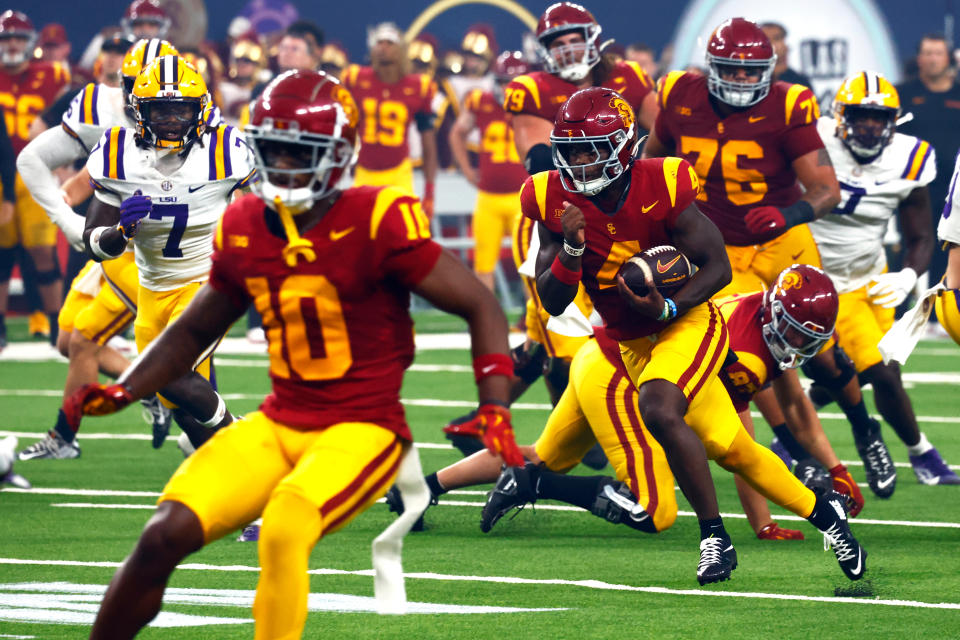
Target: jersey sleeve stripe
(671,166)
(223,153)
(424,85)
(540,192)
(385,197)
(212,153)
(641,74)
(93,113)
(113,154)
(921,153)
(85,106)
(530,85)
(666,85)
(249,179)
(793,93)
(911,159)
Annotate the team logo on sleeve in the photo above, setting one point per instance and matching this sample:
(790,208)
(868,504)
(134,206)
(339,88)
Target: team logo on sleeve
(626,113)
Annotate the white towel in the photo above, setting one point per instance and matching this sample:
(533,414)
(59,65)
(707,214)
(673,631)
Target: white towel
(902,338)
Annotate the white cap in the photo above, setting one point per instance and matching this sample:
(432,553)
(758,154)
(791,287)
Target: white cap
(384,31)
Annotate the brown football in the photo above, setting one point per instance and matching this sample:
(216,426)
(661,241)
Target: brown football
(667,267)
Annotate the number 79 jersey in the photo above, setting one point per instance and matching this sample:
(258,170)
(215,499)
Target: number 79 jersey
(174,244)
(338,327)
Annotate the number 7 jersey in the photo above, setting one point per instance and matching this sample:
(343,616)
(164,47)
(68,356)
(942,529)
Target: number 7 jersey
(174,244)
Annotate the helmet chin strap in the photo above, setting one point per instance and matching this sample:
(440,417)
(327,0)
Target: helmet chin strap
(296,246)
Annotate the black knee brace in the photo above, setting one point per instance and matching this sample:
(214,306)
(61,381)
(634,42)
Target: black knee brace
(528,364)
(7,258)
(835,383)
(556,373)
(615,503)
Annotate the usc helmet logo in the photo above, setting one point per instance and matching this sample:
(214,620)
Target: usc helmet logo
(626,113)
(789,280)
(341,95)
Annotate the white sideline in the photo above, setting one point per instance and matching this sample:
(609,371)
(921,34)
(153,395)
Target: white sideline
(585,584)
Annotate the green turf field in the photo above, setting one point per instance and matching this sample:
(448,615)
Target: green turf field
(549,573)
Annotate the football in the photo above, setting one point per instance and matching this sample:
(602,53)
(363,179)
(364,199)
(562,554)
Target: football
(667,267)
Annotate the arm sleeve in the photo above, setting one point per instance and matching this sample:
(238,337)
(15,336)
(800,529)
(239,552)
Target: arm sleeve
(8,170)
(403,240)
(223,271)
(53,116)
(50,150)
(802,113)
(686,186)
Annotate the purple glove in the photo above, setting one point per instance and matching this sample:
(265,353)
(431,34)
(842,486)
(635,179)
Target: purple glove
(132,211)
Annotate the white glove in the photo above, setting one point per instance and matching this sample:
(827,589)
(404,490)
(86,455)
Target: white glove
(891,289)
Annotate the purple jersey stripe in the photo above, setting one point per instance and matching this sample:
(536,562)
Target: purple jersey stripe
(913,154)
(227,169)
(106,153)
(93,104)
(121,140)
(214,135)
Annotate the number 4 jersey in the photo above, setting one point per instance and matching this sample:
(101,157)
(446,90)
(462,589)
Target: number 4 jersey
(189,194)
(744,160)
(338,328)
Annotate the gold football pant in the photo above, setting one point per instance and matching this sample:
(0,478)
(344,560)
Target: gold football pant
(493,218)
(600,405)
(860,326)
(757,267)
(306,484)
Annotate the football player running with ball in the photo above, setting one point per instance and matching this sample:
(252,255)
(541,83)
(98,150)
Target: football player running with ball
(880,171)
(596,211)
(331,273)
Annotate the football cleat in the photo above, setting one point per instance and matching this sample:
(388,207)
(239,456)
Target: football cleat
(718,559)
(877,463)
(931,469)
(395,504)
(53,446)
(159,417)
(850,555)
(813,476)
(515,487)
(773,531)
(250,533)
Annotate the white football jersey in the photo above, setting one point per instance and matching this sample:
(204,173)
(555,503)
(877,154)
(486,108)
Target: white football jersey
(949,228)
(175,242)
(92,111)
(850,238)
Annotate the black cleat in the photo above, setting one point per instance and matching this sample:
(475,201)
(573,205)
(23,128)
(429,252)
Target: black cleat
(850,555)
(877,463)
(515,487)
(813,476)
(718,559)
(395,504)
(158,417)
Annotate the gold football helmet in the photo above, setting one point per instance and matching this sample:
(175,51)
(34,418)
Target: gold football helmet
(866,108)
(169,99)
(139,56)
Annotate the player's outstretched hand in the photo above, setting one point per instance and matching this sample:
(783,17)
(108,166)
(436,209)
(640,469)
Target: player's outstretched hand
(498,434)
(132,211)
(95,400)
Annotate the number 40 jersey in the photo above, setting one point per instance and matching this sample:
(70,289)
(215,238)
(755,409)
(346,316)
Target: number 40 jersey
(175,242)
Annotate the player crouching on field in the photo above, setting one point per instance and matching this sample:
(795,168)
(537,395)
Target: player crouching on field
(331,273)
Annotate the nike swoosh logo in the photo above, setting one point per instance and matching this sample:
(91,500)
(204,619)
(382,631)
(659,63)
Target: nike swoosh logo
(487,369)
(886,483)
(663,268)
(650,206)
(336,235)
(753,119)
(859,568)
(798,255)
(192,189)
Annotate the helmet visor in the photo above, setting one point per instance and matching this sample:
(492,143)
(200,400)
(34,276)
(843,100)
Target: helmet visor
(588,164)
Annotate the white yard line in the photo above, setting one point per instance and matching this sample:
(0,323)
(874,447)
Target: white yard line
(583,584)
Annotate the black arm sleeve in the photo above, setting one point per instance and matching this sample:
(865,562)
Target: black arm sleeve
(8,164)
(54,115)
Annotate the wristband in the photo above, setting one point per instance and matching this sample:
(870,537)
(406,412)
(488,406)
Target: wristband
(95,244)
(799,212)
(563,273)
(669,310)
(492,364)
(576,252)
(218,414)
(429,188)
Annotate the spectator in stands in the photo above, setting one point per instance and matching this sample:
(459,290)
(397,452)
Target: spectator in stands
(54,46)
(782,72)
(645,56)
(934,99)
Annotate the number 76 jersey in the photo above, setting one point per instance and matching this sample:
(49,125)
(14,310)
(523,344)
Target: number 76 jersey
(175,241)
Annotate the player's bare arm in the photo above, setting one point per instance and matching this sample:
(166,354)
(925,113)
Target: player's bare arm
(700,240)
(464,124)
(174,353)
(101,228)
(801,418)
(452,287)
(816,174)
(647,113)
(528,131)
(654,147)
(77,189)
(916,229)
(555,294)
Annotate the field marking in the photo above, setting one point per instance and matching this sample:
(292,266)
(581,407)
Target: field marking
(585,584)
(449,503)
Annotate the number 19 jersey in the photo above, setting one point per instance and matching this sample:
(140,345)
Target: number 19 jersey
(174,244)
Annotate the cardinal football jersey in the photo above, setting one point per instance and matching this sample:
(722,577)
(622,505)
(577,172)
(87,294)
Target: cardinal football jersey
(26,95)
(189,194)
(850,238)
(386,112)
(339,331)
(754,367)
(500,168)
(660,189)
(744,160)
(949,228)
(541,94)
